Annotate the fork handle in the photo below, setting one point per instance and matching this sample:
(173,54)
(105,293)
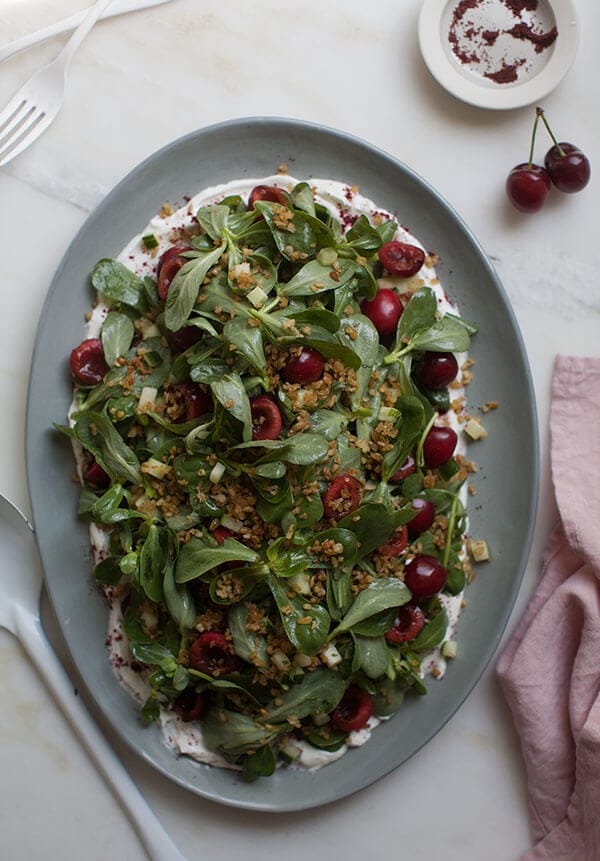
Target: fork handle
(94,12)
(156,841)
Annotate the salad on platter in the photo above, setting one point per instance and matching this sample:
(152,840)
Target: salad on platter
(269,424)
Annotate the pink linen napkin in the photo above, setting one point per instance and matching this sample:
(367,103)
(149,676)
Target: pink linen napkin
(550,669)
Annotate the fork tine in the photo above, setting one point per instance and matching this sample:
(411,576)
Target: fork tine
(14,114)
(23,137)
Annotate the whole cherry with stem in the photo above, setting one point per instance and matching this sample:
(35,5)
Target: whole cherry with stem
(569,169)
(528,184)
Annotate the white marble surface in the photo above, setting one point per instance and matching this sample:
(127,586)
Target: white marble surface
(138,82)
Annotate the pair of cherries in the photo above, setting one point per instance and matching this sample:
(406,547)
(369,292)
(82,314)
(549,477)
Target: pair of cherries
(565,166)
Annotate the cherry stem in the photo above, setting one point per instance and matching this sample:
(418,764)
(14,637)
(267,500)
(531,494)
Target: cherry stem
(533,133)
(539,112)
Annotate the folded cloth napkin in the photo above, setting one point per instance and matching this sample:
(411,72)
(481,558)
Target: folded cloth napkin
(550,669)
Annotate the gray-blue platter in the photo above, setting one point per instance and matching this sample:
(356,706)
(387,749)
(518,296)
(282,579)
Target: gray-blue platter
(505,504)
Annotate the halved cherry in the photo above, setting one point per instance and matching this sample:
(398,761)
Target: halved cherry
(408,624)
(425,576)
(439,446)
(168,266)
(211,653)
(407,468)
(303,367)
(401,258)
(270,193)
(191,705)
(353,711)
(266,418)
(88,364)
(342,496)
(94,474)
(396,544)
(424,517)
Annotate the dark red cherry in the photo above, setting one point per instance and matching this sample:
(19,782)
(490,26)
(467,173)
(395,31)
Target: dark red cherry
(353,711)
(88,364)
(400,258)
(396,544)
(211,653)
(266,418)
(94,474)
(198,402)
(342,496)
(270,193)
(168,266)
(436,370)
(424,517)
(527,187)
(570,169)
(303,367)
(191,705)
(408,624)
(384,311)
(425,576)
(439,446)
(407,468)
(184,338)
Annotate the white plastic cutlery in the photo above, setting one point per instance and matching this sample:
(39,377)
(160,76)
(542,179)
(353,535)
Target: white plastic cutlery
(117,7)
(20,588)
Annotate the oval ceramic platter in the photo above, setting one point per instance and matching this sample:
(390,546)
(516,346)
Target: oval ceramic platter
(507,483)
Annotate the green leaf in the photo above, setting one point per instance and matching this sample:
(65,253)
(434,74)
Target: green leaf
(179,601)
(306,625)
(298,238)
(372,524)
(233,733)
(196,557)
(314,278)
(260,763)
(230,392)
(151,560)
(419,314)
(97,435)
(251,646)
(445,336)
(318,692)
(117,335)
(328,423)
(363,237)
(213,219)
(185,287)
(410,425)
(371,655)
(119,284)
(377,596)
(108,571)
(242,579)
(365,340)
(432,634)
(247,341)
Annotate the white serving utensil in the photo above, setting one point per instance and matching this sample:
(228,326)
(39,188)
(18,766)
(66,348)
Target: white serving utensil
(20,590)
(117,7)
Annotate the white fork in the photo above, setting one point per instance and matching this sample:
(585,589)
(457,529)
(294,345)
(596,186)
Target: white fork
(36,104)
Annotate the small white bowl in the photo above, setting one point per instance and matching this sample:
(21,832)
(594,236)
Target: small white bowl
(465,44)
